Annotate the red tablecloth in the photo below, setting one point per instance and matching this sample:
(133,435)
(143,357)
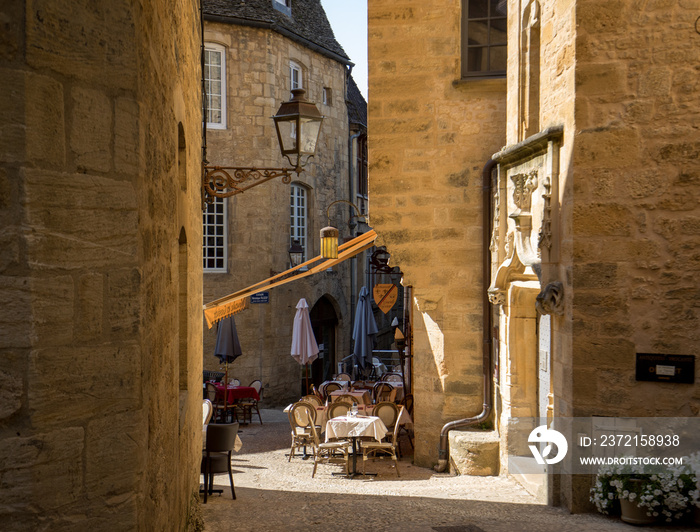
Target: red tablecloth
(236,392)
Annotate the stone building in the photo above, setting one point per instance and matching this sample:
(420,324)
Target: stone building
(100,379)
(257,52)
(534,172)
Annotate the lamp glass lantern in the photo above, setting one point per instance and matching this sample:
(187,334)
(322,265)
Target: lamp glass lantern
(329,242)
(296,253)
(298,124)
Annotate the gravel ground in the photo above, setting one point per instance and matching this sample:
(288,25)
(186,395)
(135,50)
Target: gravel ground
(274,494)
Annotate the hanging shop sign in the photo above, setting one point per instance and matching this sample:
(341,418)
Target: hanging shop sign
(385,296)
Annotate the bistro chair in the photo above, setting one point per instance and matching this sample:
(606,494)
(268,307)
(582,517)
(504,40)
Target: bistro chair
(388,412)
(347,398)
(249,404)
(407,403)
(371,448)
(328,388)
(301,415)
(382,391)
(216,456)
(219,412)
(207,411)
(234,382)
(339,408)
(392,377)
(315,392)
(343,377)
(312,399)
(326,451)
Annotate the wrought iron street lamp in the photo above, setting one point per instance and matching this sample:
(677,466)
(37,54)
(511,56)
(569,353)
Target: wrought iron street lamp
(298,124)
(296,253)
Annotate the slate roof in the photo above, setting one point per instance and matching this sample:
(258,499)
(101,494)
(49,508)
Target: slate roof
(308,23)
(357,106)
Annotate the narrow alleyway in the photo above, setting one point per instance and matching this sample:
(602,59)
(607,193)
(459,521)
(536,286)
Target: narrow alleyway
(274,494)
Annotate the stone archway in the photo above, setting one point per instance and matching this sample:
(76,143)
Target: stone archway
(324,320)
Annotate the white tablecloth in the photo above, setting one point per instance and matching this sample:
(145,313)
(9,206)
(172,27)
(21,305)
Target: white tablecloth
(355,427)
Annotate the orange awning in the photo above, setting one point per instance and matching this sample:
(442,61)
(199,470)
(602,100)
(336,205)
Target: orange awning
(238,301)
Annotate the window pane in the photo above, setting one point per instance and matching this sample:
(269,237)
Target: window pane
(478,32)
(499,57)
(499,8)
(478,8)
(476,60)
(498,31)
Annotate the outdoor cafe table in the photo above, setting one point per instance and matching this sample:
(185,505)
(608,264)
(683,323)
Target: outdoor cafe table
(362,396)
(233,393)
(355,427)
(362,410)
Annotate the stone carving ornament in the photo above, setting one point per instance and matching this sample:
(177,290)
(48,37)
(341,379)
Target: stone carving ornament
(551,299)
(525,185)
(545,237)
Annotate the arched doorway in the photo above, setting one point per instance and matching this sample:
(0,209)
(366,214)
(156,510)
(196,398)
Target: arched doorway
(324,321)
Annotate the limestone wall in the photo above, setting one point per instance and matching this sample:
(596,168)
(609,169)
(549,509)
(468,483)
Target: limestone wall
(620,78)
(258,82)
(635,220)
(100,259)
(429,137)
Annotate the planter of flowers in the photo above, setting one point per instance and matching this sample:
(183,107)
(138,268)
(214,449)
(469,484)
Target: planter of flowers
(694,494)
(648,495)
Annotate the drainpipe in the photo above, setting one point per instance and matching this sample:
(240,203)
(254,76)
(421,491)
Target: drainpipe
(486,324)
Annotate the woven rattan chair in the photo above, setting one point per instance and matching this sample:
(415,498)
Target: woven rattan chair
(346,398)
(219,412)
(382,391)
(323,452)
(249,405)
(407,403)
(339,408)
(299,419)
(372,448)
(313,399)
(329,387)
(207,411)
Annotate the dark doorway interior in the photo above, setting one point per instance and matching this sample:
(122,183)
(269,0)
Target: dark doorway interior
(324,321)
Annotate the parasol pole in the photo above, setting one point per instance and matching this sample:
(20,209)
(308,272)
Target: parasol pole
(226,388)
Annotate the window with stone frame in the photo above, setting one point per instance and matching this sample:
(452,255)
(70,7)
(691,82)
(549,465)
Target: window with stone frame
(362,182)
(298,216)
(214,238)
(215,85)
(295,76)
(484,38)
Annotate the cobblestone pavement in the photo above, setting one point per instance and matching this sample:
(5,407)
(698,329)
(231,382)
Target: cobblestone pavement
(274,494)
